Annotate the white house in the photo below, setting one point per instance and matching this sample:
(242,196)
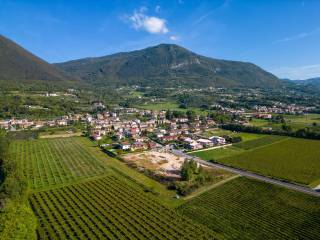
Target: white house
(218,140)
(205,142)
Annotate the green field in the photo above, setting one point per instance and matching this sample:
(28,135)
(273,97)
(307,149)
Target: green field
(108,208)
(78,192)
(259,142)
(249,209)
(170,106)
(250,141)
(50,162)
(161,106)
(215,154)
(221,132)
(292,159)
(295,121)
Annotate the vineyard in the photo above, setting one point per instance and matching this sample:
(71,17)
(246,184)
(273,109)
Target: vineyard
(48,162)
(292,159)
(259,142)
(248,209)
(108,208)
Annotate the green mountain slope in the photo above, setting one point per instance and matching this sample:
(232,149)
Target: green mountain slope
(19,65)
(312,82)
(168,66)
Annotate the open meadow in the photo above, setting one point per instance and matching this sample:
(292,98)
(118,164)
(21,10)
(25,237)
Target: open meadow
(249,209)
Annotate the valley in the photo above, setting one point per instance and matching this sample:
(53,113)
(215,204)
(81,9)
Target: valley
(156,143)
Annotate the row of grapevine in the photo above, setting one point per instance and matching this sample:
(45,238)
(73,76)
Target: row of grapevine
(108,208)
(248,209)
(55,161)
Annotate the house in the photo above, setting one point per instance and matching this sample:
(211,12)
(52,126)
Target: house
(51,123)
(168,138)
(125,146)
(96,137)
(139,146)
(4,124)
(205,142)
(263,116)
(152,145)
(218,140)
(194,145)
(62,122)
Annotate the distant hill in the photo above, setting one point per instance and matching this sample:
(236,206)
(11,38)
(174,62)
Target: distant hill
(311,82)
(168,65)
(19,65)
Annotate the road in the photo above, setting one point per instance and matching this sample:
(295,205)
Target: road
(245,173)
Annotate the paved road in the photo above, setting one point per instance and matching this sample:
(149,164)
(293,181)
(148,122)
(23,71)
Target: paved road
(251,175)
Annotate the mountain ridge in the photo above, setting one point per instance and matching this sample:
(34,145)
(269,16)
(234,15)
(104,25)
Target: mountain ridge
(18,64)
(168,65)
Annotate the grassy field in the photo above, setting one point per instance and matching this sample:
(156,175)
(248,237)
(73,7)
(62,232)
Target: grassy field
(295,121)
(170,106)
(215,154)
(249,141)
(108,208)
(292,159)
(161,106)
(248,209)
(48,162)
(222,132)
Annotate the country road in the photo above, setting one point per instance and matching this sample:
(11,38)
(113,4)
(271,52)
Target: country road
(245,173)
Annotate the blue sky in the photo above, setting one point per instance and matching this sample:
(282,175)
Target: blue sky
(280,36)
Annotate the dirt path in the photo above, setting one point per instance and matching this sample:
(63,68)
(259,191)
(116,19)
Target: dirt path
(207,149)
(202,190)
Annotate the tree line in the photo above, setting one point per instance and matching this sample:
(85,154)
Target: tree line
(285,130)
(17,220)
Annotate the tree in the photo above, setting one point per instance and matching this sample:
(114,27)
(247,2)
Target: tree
(188,169)
(191,115)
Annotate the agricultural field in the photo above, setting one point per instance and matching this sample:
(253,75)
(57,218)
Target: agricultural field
(292,159)
(170,106)
(259,142)
(108,208)
(247,209)
(295,121)
(218,153)
(161,106)
(49,162)
(221,132)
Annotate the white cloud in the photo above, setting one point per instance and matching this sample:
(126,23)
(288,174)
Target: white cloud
(298,36)
(301,72)
(174,38)
(155,25)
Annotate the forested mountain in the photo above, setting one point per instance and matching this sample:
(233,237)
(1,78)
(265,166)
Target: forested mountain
(168,65)
(311,82)
(18,65)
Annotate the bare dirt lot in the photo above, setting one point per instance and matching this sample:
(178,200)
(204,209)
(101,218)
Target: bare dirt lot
(164,163)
